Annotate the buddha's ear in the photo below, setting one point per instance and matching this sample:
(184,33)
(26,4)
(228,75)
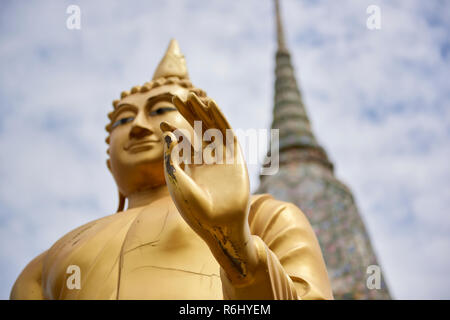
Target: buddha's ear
(108,164)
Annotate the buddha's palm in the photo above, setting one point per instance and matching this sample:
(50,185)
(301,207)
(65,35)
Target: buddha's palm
(213,198)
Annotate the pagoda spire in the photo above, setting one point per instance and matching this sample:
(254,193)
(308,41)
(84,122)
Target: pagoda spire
(280,32)
(289,114)
(305,177)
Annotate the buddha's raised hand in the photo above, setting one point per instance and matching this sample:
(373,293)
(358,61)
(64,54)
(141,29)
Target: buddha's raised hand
(213,195)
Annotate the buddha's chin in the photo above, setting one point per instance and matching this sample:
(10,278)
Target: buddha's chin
(142,172)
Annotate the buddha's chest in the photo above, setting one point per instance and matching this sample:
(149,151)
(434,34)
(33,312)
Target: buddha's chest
(147,254)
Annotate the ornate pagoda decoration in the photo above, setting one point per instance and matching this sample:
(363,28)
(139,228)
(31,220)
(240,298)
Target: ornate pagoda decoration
(306,178)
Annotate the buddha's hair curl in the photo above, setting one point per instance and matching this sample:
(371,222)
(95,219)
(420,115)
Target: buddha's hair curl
(182,82)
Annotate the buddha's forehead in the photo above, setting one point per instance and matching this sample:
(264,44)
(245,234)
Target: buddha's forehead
(140,98)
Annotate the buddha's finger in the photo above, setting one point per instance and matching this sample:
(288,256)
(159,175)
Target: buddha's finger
(185,192)
(185,146)
(220,120)
(201,110)
(165,126)
(184,110)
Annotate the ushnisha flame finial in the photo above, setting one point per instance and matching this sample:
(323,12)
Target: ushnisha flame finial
(172,64)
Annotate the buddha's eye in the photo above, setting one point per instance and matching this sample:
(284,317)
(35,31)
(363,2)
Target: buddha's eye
(162,110)
(122,121)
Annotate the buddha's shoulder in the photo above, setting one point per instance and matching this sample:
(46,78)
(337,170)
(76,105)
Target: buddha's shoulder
(28,284)
(87,230)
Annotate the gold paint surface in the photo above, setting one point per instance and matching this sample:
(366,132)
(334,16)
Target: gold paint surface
(191,231)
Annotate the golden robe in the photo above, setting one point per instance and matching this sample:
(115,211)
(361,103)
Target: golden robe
(151,253)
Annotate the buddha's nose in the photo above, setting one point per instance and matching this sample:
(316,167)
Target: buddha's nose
(140,127)
(138,131)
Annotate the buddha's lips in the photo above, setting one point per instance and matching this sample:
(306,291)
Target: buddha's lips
(130,145)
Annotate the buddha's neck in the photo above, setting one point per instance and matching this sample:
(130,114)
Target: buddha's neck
(147,196)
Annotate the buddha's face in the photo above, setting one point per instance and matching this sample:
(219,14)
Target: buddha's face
(136,144)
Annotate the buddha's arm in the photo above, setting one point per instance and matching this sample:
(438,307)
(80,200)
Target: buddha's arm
(213,198)
(290,263)
(28,285)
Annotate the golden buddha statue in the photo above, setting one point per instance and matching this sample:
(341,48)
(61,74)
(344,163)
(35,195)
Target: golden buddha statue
(190,230)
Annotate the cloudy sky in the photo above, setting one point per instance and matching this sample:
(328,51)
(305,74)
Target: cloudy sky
(378,100)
